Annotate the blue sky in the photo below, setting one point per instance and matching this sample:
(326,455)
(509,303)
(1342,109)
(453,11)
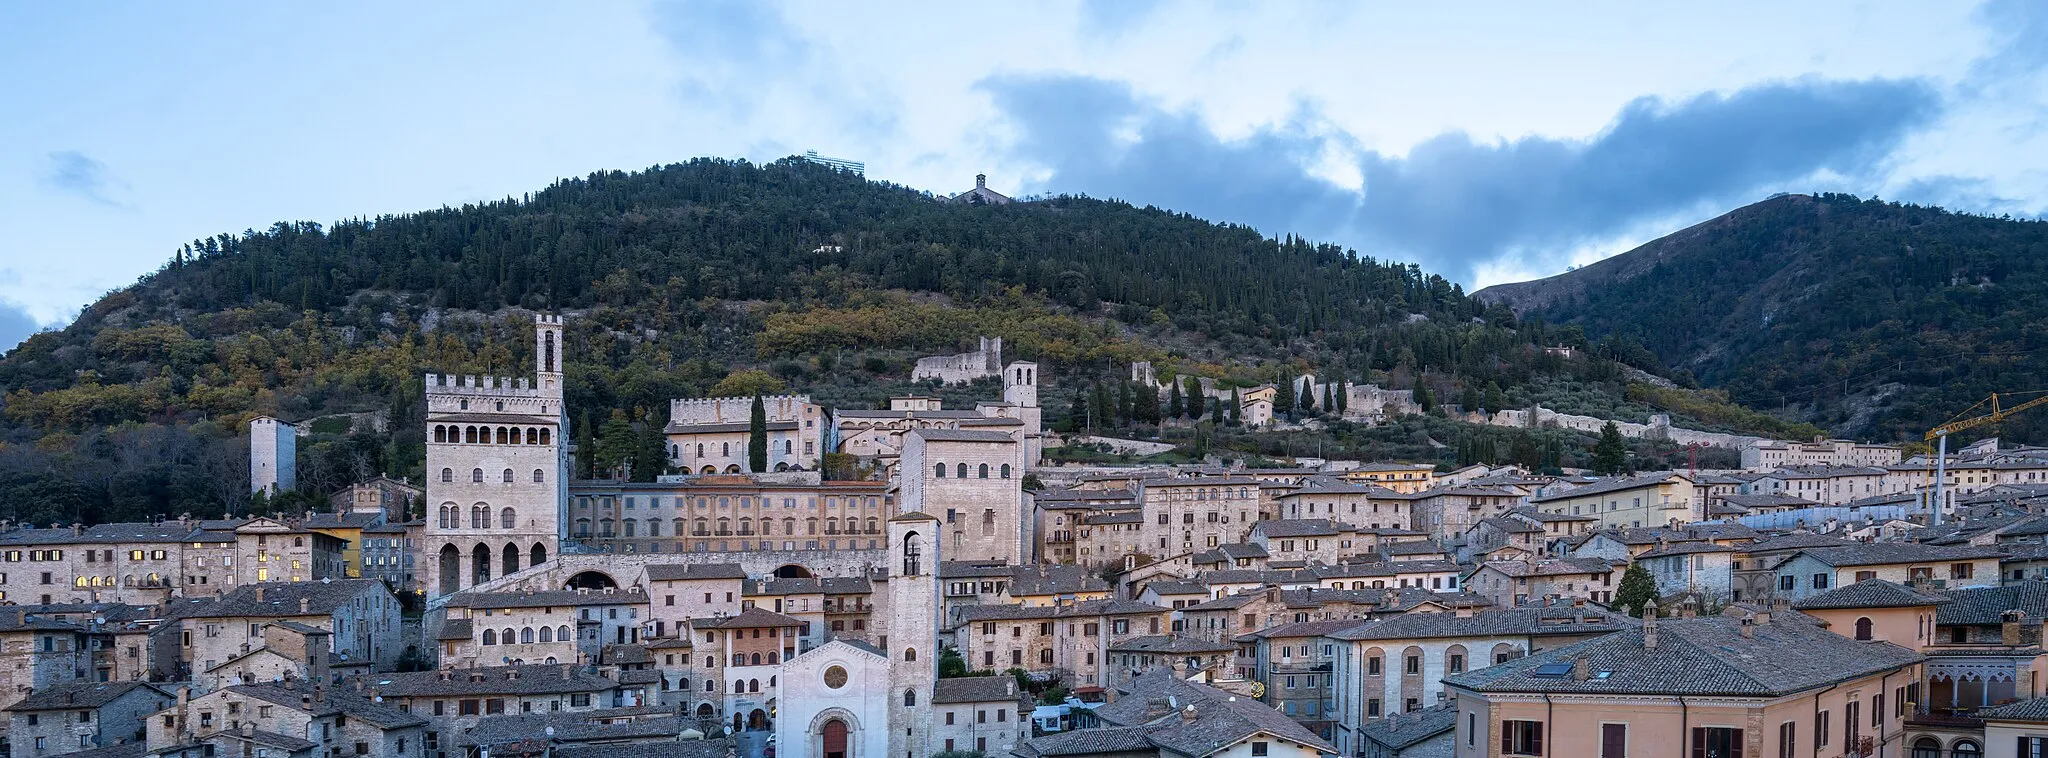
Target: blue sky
(1488,143)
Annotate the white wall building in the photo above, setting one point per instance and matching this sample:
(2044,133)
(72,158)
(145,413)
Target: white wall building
(273,455)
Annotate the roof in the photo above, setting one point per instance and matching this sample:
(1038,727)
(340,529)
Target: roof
(1152,717)
(1769,500)
(961,435)
(168,531)
(1402,730)
(1112,607)
(1987,605)
(1869,593)
(1877,553)
(1304,527)
(1550,567)
(678,427)
(750,618)
(2032,709)
(1796,541)
(319,701)
(77,695)
(323,598)
(1700,656)
(1054,580)
(1687,548)
(545,599)
(975,689)
(670,572)
(1168,644)
(701,748)
(600,726)
(1609,485)
(1500,622)
(1302,629)
(521,679)
(456,629)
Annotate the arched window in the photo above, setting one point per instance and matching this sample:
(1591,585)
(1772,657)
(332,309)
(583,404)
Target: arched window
(1926,747)
(447,474)
(773,658)
(476,476)
(739,659)
(469,434)
(490,637)
(562,634)
(547,634)
(532,436)
(757,659)
(700,449)
(787,447)
(725,449)
(1965,749)
(910,654)
(939,471)
(983,473)
(538,555)
(1006,471)
(440,433)
(960,471)
(539,477)
(508,476)
(909,698)
(1863,628)
(548,352)
(505,635)
(479,518)
(543,436)
(507,519)
(911,555)
(501,435)
(526,635)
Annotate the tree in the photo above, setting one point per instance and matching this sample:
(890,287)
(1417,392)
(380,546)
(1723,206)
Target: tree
(616,445)
(1610,454)
(1470,399)
(1216,413)
(1494,401)
(748,382)
(951,664)
(1638,591)
(1423,398)
(1236,408)
(1174,406)
(1306,401)
(1330,398)
(1283,401)
(1195,398)
(1343,396)
(651,459)
(757,436)
(1125,405)
(1145,405)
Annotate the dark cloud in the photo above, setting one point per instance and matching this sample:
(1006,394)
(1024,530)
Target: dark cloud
(79,174)
(1453,203)
(15,326)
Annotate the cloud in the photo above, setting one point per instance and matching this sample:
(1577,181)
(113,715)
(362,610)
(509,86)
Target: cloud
(79,174)
(1109,19)
(1453,203)
(15,326)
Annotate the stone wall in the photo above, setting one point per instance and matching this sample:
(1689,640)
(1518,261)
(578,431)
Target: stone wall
(1659,427)
(961,368)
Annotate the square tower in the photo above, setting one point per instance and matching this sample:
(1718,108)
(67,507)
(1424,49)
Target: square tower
(497,453)
(912,642)
(974,481)
(273,455)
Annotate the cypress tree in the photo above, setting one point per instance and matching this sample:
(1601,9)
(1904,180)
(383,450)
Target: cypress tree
(1125,406)
(1196,400)
(1306,401)
(1423,398)
(757,436)
(1236,408)
(1343,396)
(1216,413)
(1174,408)
(1283,402)
(1610,454)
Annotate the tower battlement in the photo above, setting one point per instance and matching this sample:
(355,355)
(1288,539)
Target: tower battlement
(481,386)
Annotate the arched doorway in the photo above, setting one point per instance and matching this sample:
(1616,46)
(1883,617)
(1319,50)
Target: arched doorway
(834,738)
(511,560)
(480,564)
(792,571)
(538,555)
(757,721)
(451,570)
(737,724)
(592,580)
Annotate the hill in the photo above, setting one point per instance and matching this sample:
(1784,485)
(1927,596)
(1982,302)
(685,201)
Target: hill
(1872,319)
(714,277)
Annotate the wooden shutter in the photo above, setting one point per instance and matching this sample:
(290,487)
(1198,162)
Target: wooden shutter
(1613,740)
(1699,742)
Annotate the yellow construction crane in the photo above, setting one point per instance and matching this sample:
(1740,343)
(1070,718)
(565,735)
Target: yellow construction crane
(1999,412)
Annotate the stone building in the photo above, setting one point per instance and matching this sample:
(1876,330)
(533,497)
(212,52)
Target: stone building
(499,628)
(1072,639)
(985,714)
(976,479)
(361,615)
(496,451)
(273,455)
(730,514)
(72,717)
(710,435)
(982,362)
(1184,515)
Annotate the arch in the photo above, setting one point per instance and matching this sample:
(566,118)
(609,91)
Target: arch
(469,435)
(479,517)
(508,518)
(939,471)
(792,571)
(511,559)
(476,476)
(532,436)
(544,436)
(507,476)
(526,635)
(753,685)
(960,470)
(983,472)
(704,709)
(451,569)
(480,564)
(781,466)
(725,449)
(912,555)
(448,475)
(591,579)
(910,654)
(501,436)
(490,637)
(831,734)
(755,660)
(440,433)
(1006,471)
(1863,628)
(538,555)
(757,721)
(1965,748)
(733,469)
(909,698)
(709,470)
(562,634)
(1504,649)
(547,634)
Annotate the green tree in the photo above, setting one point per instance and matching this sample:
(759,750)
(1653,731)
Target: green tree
(1174,405)
(1125,405)
(1343,396)
(651,459)
(1145,404)
(951,664)
(1494,400)
(757,437)
(1216,413)
(1283,400)
(1423,398)
(1638,591)
(1470,399)
(1195,398)
(1306,401)
(1610,454)
(749,382)
(616,445)
(1236,408)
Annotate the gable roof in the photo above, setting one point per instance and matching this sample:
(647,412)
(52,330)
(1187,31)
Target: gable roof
(78,695)
(1498,622)
(1981,606)
(1869,593)
(1880,553)
(671,572)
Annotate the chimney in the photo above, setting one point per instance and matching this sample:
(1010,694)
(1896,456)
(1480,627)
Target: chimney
(1749,627)
(568,670)
(319,694)
(305,605)
(248,729)
(1581,671)
(77,528)
(1187,714)
(1650,631)
(1687,610)
(259,593)
(2009,628)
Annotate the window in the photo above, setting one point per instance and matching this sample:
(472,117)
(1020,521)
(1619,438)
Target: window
(1613,741)
(1820,581)
(1785,582)
(1258,748)
(476,476)
(1521,737)
(1965,749)
(1928,747)
(1788,739)
(1457,664)
(1863,628)
(1372,666)
(1962,570)
(1820,730)
(1716,742)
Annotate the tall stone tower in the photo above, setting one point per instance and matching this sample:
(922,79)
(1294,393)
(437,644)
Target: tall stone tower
(497,455)
(913,626)
(273,455)
(1020,388)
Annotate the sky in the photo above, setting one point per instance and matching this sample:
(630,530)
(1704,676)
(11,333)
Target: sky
(1487,142)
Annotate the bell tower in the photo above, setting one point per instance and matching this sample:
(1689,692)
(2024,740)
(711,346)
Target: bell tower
(913,627)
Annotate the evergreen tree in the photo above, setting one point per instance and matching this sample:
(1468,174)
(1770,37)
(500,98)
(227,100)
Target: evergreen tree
(1494,400)
(1145,406)
(1104,407)
(1196,399)
(1124,403)
(1174,408)
(1638,591)
(1469,399)
(1330,398)
(1343,396)
(1423,398)
(1306,400)
(757,436)
(616,444)
(651,460)
(1216,413)
(1610,454)
(1077,413)
(1236,408)
(1283,400)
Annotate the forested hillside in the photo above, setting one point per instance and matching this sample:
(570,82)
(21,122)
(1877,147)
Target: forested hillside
(717,277)
(1873,319)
